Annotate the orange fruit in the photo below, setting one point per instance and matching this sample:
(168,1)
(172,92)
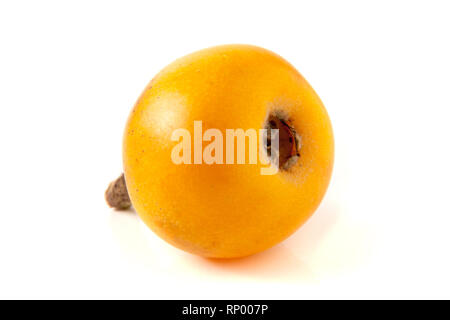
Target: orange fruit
(227,210)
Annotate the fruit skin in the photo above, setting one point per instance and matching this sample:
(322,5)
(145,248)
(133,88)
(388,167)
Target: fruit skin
(225,211)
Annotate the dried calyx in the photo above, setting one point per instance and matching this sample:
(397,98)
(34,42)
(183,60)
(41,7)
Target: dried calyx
(289,142)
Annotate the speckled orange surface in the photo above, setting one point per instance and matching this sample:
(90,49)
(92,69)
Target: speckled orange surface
(225,211)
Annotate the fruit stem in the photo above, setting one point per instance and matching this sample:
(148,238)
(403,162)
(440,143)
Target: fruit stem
(116,195)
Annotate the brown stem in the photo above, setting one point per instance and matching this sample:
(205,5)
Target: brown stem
(117,195)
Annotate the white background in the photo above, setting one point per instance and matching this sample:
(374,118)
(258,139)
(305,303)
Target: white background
(71,71)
